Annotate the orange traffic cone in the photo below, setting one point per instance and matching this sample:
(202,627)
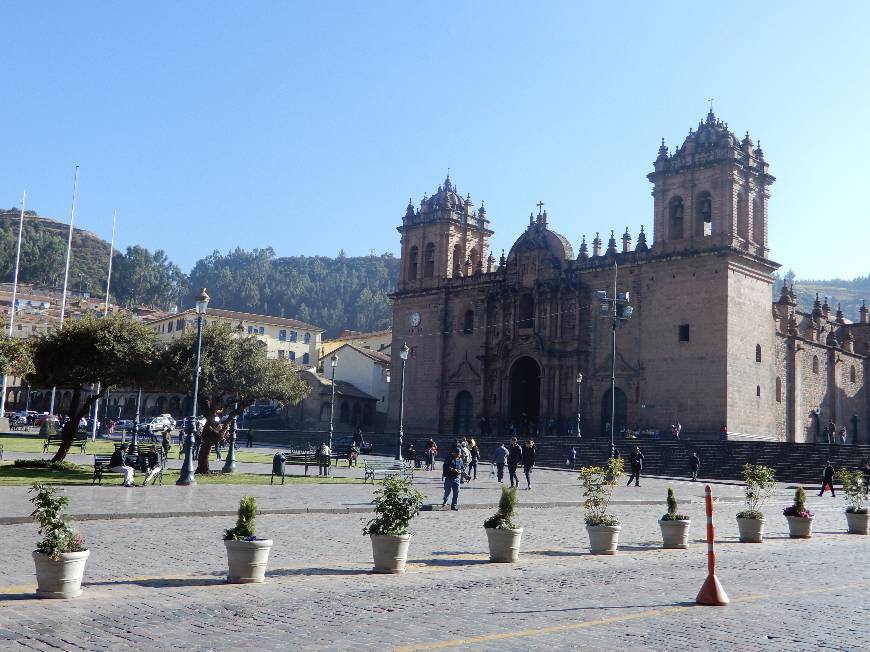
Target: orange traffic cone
(711,593)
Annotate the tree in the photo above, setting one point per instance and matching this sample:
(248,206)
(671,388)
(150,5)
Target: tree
(16,356)
(142,278)
(235,373)
(110,351)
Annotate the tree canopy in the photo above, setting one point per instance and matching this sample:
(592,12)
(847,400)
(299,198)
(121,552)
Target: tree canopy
(235,373)
(110,351)
(16,356)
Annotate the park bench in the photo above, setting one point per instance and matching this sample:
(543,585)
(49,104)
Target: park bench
(373,469)
(101,464)
(299,459)
(80,440)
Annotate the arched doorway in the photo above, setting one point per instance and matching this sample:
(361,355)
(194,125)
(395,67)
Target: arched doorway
(463,408)
(620,415)
(525,400)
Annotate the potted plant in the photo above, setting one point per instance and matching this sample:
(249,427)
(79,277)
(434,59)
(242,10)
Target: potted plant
(598,483)
(760,483)
(247,555)
(61,555)
(856,489)
(501,531)
(396,504)
(800,519)
(675,527)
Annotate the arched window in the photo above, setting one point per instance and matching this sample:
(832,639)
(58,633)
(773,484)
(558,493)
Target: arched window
(705,215)
(526,312)
(852,374)
(344,413)
(758,352)
(675,212)
(758,390)
(815,364)
(457,261)
(475,260)
(429,261)
(468,323)
(778,389)
(413,256)
(757,221)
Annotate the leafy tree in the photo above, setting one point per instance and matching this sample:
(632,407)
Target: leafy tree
(113,351)
(235,373)
(16,356)
(142,278)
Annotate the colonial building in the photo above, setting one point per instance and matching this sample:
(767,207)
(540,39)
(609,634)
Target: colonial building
(283,338)
(504,343)
(376,341)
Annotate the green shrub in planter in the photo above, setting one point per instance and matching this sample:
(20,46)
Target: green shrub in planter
(672,509)
(760,483)
(507,505)
(598,483)
(396,504)
(857,490)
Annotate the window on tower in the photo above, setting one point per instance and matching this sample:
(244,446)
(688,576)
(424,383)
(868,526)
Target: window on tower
(705,215)
(684,332)
(429,261)
(413,255)
(676,218)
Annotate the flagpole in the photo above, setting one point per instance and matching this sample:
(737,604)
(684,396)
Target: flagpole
(105,312)
(72,219)
(14,295)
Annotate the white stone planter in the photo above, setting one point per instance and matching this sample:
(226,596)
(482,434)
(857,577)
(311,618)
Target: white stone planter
(603,539)
(675,534)
(857,522)
(800,527)
(751,530)
(504,545)
(60,579)
(390,552)
(247,560)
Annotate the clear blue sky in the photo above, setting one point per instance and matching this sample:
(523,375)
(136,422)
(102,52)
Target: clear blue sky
(306,126)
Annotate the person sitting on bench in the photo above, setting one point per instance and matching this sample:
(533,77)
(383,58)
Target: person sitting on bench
(118,464)
(153,461)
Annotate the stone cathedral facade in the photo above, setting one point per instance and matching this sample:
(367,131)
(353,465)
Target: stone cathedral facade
(495,343)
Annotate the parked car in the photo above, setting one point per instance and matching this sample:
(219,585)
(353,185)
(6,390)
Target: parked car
(124,425)
(182,425)
(341,443)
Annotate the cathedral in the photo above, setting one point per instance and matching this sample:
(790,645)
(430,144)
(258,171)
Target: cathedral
(521,342)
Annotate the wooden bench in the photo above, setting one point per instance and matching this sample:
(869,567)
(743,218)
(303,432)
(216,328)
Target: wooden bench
(298,459)
(101,464)
(372,469)
(80,440)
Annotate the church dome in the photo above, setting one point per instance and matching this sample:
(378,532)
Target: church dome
(712,133)
(539,237)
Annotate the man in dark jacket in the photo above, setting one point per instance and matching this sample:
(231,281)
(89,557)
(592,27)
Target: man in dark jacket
(118,464)
(695,463)
(515,456)
(452,478)
(636,460)
(828,479)
(528,461)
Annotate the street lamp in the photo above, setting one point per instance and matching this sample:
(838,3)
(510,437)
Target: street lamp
(579,380)
(230,463)
(333,362)
(186,477)
(403,354)
(618,310)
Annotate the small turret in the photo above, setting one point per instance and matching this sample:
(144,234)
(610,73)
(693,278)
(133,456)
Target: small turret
(826,309)
(584,250)
(490,263)
(501,260)
(863,312)
(626,241)
(811,330)
(409,211)
(849,342)
(611,245)
(596,245)
(840,319)
(663,151)
(641,241)
(817,307)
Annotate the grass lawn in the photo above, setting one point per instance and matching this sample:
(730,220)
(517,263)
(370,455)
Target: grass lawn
(11,476)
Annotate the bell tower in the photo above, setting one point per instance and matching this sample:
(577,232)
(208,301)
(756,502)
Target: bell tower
(711,192)
(444,238)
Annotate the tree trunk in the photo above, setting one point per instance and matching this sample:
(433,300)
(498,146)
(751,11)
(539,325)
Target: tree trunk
(211,435)
(76,413)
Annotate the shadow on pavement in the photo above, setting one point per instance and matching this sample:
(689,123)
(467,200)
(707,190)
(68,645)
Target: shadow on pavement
(556,553)
(596,607)
(302,572)
(164,582)
(449,562)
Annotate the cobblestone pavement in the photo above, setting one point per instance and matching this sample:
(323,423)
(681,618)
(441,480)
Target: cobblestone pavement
(158,584)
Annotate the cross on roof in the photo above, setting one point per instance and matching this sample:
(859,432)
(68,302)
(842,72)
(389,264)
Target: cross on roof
(710,100)
(540,205)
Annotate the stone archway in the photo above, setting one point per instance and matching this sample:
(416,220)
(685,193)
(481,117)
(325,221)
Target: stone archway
(525,393)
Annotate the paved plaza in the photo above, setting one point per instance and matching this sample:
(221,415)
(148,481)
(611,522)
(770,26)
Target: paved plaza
(158,582)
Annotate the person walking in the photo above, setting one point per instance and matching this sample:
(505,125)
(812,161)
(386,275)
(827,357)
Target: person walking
(636,460)
(529,453)
(572,457)
(475,458)
(452,474)
(431,452)
(323,459)
(828,479)
(695,463)
(465,456)
(843,436)
(515,456)
(167,441)
(500,458)
(118,463)
(250,441)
